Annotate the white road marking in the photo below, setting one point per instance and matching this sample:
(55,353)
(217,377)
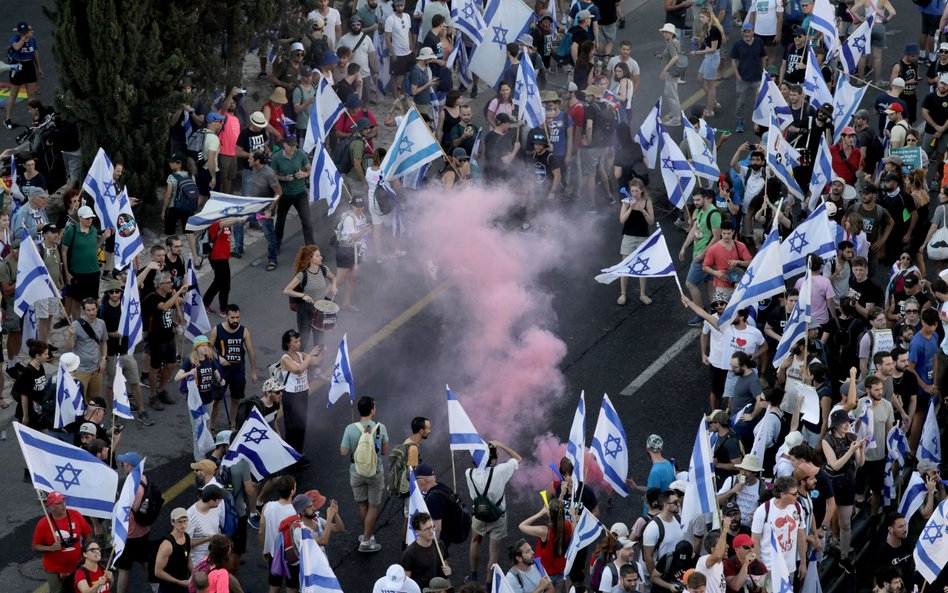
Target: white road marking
(661,361)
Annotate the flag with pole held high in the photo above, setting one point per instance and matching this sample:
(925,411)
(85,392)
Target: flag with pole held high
(813,236)
(505,21)
(130,322)
(857,45)
(325,181)
(416,504)
(341,382)
(121,406)
(822,169)
(931,549)
(576,445)
(527,95)
(814,85)
(823,20)
(196,322)
(677,173)
(648,135)
(610,448)
(650,260)
(762,279)
(463,435)
(467,18)
(929,446)
(913,496)
(70,405)
(845,103)
(123,509)
(897,448)
(586,532)
(100,184)
(128,236)
(771,104)
(781,158)
(795,330)
(412,147)
(702,159)
(327,109)
(261,446)
(700,493)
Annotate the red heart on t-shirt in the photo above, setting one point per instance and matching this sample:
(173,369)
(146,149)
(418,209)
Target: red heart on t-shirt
(741,342)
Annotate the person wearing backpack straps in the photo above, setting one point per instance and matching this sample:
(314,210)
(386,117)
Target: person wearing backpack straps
(57,537)
(406,456)
(524,576)
(91,576)
(366,443)
(784,516)
(610,578)
(487,488)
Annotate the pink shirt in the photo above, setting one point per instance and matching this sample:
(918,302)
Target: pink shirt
(228,135)
(134,529)
(821,291)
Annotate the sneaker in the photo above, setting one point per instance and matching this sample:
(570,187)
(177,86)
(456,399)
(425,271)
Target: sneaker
(165,397)
(845,563)
(144,381)
(155,404)
(680,223)
(370,546)
(236,254)
(680,80)
(261,76)
(695,321)
(739,127)
(145,419)
(8,124)
(14,371)
(253,521)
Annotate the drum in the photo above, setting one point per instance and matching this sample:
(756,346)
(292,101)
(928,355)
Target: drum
(324,319)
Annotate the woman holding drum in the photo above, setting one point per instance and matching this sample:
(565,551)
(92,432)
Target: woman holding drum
(307,291)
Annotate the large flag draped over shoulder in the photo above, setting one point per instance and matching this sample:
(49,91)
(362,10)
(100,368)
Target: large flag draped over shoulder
(221,206)
(929,446)
(327,108)
(506,20)
(650,260)
(677,174)
(931,549)
(763,279)
(771,104)
(325,181)
(700,493)
(100,185)
(316,575)
(33,282)
(781,159)
(196,322)
(416,504)
(527,95)
(610,448)
(341,382)
(130,323)
(813,236)
(412,147)
(88,483)
(128,237)
(813,82)
(647,135)
(260,445)
(823,20)
(70,405)
(845,103)
(795,330)
(123,508)
(586,532)
(468,19)
(576,446)
(464,436)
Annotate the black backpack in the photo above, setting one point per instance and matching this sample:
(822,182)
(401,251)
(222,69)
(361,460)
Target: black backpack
(342,156)
(483,507)
(186,193)
(456,520)
(152,501)
(246,406)
(69,583)
(606,122)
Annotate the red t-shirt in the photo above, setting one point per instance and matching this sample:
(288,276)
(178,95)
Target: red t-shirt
(345,124)
(754,572)
(93,576)
(577,113)
(73,526)
(553,565)
(220,239)
(717,257)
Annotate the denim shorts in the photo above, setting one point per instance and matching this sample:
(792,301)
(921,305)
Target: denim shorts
(696,273)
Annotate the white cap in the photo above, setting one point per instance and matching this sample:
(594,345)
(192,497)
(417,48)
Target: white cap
(899,82)
(69,360)
(830,209)
(943,46)
(297,46)
(620,530)
(943,78)
(625,543)
(395,576)
(678,485)
(86,212)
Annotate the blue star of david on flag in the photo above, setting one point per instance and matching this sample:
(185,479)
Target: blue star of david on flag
(747,279)
(468,11)
(67,483)
(639,266)
(405,145)
(932,533)
(500,36)
(798,242)
(613,446)
(255,436)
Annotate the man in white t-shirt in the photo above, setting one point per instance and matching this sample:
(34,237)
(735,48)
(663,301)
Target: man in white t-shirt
(625,56)
(656,544)
(492,483)
(331,17)
(363,54)
(711,565)
(395,581)
(270,518)
(611,575)
(397,32)
(205,520)
(767,18)
(783,516)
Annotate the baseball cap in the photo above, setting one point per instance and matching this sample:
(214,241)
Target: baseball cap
(85,212)
(831,209)
(862,114)
(50,228)
(571,87)
(181,158)
(297,46)
(55,497)
(362,123)
(654,443)
(943,46)
(88,428)
(329,59)
(894,107)
(798,30)
(97,401)
(848,130)
(301,502)
(131,457)
(223,438)
(898,82)
(355,19)
(730,508)
(742,540)
(205,465)
(424,470)
(839,417)
(719,416)
(620,530)
(460,153)
(891,177)
(892,159)
(525,40)
(394,577)
(213,117)
(911,49)
(869,188)
(354,101)
(272,385)
(583,15)
(502,118)
(178,513)
(305,71)
(910,281)
(747,27)
(22,27)
(625,543)
(290,140)
(678,486)
(943,78)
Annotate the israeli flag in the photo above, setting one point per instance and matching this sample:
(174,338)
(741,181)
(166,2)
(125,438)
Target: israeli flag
(70,406)
(770,104)
(100,185)
(468,19)
(929,447)
(221,206)
(272,53)
(823,20)
(14,185)
(845,103)
(121,406)
(700,493)
(610,448)
(795,330)
(762,279)
(186,124)
(341,382)
(412,147)
(416,504)
(813,236)
(88,482)
(30,330)
(464,64)
(464,436)
(857,45)
(822,169)
(931,549)
(576,446)
(585,533)
(650,260)
(200,432)
(772,556)
(261,446)
(123,509)
(325,181)
(505,21)
(33,282)
(130,322)
(384,60)
(196,322)
(814,85)
(896,449)
(527,95)
(327,109)
(780,160)
(913,496)
(811,582)
(316,575)
(647,136)
(702,159)
(128,237)
(864,423)
(677,174)
(499,583)
(414,180)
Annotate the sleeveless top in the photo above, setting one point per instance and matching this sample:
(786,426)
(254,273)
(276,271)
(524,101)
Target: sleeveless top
(234,351)
(296,382)
(449,122)
(635,225)
(840,447)
(177,564)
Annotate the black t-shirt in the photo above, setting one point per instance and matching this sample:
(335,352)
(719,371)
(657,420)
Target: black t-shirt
(423,563)
(112,316)
(822,493)
(865,292)
(713,35)
(434,42)
(32,384)
(250,141)
(344,90)
(177,271)
(900,558)
(608,11)
(897,206)
(726,449)
(604,124)
(587,501)
(497,146)
(905,387)
(676,17)
(936,68)
(581,35)
(161,328)
(777,320)
(543,43)
(795,70)
(437,503)
(937,107)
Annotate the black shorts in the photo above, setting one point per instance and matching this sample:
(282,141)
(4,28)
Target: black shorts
(930,24)
(27,73)
(239,539)
(767,39)
(345,257)
(204,182)
(172,216)
(557,162)
(292,581)
(401,64)
(718,377)
(137,549)
(84,286)
(163,353)
(872,473)
(238,389)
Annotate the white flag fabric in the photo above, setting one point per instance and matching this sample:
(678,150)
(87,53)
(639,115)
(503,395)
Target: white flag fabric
(813,236)
(384,62)
(30,330)
(100,185)
(781,158)
(70,405)
(913,496)
(464,437)
(261,446)
(221,206)
(897,448)
(468,19)
(677,174)
(700,493)
(316,575)
(123,509)
(416,504)
(610,448)
(770,103)
(863,423)
(341,382)
(576,445)
(647,136)
(325,181)
(650,260)
(327,109)
(772,556)
(506,21)
(822,169)
(762,279)
(814,85)
(200,432)
(845,103)
(931,549)
(128,237)
(527,95)
(702,159)
(586,532)
(130,322)
(823,20)
(929,446)
(499,582)
(795,330)
(412,147)
(88,483)
(857,45)
(33,282)
(196,322)
(121,406)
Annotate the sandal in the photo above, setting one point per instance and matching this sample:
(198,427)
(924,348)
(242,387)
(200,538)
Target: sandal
(620,300)
(271,266)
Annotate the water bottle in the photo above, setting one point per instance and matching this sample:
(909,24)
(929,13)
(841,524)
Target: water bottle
(3,436)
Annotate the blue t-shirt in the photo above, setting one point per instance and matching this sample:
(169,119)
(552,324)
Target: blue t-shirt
(922,352)
(558,128)
(660,476)
(418,78)
(935,7)
(25,53)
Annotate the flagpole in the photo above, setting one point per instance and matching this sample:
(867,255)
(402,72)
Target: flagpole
(862,80)
(437,547)
(112,437)
(454,477)
(446,159)
(52,529)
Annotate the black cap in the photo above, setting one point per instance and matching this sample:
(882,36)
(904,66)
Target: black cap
(424,470)
(910,281)
(502,118)
(891,177)
(50,228)
(869,188)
